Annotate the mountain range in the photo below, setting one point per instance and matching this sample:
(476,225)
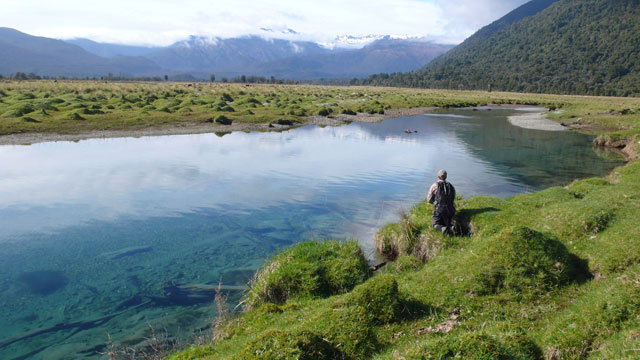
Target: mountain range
(203,56)
(546,46)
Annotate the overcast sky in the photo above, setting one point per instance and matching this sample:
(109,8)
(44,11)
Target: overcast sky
(162,22)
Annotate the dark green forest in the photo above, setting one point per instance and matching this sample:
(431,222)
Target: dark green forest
(589,47)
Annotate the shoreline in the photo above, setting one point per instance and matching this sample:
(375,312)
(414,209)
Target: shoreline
(205,128)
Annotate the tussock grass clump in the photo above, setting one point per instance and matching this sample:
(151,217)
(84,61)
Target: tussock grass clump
(475,346)
(18,110)
(405,263)
(523,259)
(598,221)
(378,296)
(75,116)
(282,345)
(411,236)
(349,329)
(308,270)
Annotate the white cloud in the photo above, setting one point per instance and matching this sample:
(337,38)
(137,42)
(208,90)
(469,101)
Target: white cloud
(162,22)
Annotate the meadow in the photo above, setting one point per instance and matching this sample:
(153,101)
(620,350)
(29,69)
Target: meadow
(73,107)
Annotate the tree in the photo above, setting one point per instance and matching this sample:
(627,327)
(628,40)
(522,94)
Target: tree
(213,78)
(19,76)
(166,78)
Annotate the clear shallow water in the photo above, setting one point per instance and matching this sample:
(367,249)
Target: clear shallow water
(101,235)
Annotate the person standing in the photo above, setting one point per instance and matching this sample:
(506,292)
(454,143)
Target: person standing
(442,195)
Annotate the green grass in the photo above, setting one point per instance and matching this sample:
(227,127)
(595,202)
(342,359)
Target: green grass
(79,106)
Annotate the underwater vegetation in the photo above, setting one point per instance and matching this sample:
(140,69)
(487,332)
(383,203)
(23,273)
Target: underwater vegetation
(43,282)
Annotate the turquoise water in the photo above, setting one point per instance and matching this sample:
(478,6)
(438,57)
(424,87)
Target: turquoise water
(105,234)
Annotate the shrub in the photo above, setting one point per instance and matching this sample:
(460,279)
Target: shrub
(324,112)
(308,270)
(221,119)
(348,329)
(226,97)
(378,296)
(285,122)
(349,112)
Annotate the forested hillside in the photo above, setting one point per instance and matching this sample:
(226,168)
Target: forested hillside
(569,47)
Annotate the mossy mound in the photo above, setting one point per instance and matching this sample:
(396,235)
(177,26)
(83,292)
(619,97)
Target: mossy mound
(378,296)
(308,270)
(521,258)
(282,345)
(18,110)
(475,346)
(349,329)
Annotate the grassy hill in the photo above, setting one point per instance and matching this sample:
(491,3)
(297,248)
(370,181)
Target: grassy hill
(567,47)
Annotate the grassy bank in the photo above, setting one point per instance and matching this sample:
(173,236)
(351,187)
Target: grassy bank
(548,275)
(554,274)
(71,107)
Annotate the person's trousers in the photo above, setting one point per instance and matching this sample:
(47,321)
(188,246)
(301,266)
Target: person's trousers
(441,221)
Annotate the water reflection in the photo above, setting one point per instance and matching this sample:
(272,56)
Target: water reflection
(121,227)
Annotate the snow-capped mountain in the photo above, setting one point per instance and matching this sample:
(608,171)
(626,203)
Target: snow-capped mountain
(216,54)
(355,42)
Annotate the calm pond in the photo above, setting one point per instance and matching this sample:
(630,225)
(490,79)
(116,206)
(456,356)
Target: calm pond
(106,234)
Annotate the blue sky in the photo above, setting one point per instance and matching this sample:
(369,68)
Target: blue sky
(162,22)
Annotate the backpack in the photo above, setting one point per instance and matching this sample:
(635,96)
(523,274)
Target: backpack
(444,199)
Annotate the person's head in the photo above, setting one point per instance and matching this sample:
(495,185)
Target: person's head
(442,175)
